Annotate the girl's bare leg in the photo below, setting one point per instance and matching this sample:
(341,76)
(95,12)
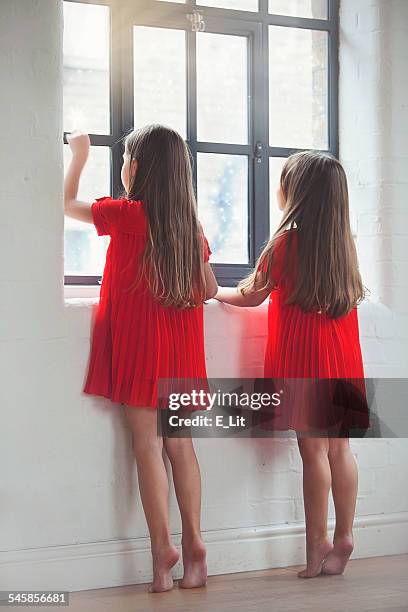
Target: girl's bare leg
(344,488)
(187,484)
(316,487)
(154,489)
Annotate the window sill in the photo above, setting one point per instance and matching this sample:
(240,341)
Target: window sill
(75,292)
(81,291)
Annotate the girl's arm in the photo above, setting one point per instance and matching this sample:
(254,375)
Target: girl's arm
(236,298)
(79,144)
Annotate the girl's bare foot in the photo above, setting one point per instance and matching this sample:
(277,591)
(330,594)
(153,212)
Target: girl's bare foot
(163,561)
(336,560)
(315,554)
(195,566)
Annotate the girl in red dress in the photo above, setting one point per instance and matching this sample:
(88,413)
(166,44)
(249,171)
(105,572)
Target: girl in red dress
(309,270)
(149,323)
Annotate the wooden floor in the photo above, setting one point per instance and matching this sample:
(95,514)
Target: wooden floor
(380,583)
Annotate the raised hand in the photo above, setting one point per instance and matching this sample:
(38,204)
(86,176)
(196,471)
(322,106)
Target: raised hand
(79,144)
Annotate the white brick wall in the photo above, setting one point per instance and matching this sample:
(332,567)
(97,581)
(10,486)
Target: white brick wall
(70,507)
(373,149)
(373,141)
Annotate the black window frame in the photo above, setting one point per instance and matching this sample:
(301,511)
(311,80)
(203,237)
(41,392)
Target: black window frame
(124,14)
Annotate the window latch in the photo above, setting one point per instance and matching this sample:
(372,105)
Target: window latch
(258,152)
(197,21)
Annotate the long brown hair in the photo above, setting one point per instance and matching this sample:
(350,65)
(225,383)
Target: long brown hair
(172,261)
(314,187)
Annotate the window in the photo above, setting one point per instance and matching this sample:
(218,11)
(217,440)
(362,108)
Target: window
(246,82)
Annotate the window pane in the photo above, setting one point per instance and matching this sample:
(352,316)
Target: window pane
(222,88)
(84,250)
(160,77)
(223,205)
(238,5)
(275,214)
(86,68)
(298,78)
(299,8)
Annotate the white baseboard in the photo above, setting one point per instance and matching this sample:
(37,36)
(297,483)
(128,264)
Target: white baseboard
(123,562)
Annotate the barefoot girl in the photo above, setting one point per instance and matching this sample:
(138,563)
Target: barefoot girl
(149,323)
(310,270)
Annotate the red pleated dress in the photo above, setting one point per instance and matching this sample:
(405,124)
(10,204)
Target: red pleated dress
(314,348)
(135,340)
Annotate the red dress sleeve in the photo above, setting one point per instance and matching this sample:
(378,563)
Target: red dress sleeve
(207,250)
(279,254)
(105,213)
(125,215)
(206,247)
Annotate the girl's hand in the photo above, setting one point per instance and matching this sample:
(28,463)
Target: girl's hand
(79,144)
(223,294)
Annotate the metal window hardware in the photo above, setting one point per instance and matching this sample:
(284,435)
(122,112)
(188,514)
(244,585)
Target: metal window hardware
(197,21)
(258,152)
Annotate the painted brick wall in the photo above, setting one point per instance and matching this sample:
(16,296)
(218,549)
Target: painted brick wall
(373,148)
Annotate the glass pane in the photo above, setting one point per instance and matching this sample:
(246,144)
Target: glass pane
(238,5)
(298,78)
(223,205)
(299,8)
(86,68)
(275,214)
(84,250)
(222,88)
(160,77)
